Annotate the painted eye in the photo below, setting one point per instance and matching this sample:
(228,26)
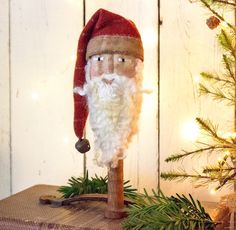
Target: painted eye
(121,59)
(98,58)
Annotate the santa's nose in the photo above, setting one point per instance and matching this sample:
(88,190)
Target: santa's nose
(110,65)
(109,82)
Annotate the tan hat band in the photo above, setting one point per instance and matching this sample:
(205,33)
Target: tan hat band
(115,44)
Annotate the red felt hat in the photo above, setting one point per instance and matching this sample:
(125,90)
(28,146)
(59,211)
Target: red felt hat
(105,32)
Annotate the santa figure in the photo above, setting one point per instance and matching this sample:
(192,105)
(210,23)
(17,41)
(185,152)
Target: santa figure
(107,85)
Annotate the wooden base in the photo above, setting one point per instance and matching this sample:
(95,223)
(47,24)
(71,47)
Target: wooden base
(57,202)
(115,214)
(115,197)
(115,201)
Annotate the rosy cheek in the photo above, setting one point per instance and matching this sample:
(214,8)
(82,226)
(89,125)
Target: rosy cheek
(95,71)
(128,71)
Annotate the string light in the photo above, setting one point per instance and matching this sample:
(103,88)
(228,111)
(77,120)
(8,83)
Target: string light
(73,57)
(190,131)
(233,135)
(149,37)
(197,78)
(219,159)
(66,140)
(35,96)
(227,153)
(213,191)
(229,135)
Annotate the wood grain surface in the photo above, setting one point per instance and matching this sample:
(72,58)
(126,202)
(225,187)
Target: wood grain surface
(23,211)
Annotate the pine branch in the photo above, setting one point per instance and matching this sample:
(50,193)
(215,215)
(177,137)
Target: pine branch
(216,79)
(197,179)
(177,157)
(211,130)
(226,2)
(181,176)
(214,168)
(227,179)
(158,211)
(217,173)
(208,127)
(227,42)
(228,63)
(216,93)
(82,185)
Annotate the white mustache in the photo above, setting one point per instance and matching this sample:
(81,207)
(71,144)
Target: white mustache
(107,80)
(112,82)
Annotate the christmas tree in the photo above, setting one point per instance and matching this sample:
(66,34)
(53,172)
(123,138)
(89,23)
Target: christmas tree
(220,87)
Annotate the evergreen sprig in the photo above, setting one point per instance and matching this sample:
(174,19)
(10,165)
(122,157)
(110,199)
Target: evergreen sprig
(155,211)
(222,86)
(227,41)
(158,211)
(179,156)
(214,78)
(230,69)
(222,172)
(85,185)
(226,2)
(198,179)
(217,93)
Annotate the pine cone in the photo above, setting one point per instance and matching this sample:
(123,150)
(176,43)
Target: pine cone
(213,22)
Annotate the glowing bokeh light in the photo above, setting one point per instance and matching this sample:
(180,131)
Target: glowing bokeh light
(190,131)
(35,96)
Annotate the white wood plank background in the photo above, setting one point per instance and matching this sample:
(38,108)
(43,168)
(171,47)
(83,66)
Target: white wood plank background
(44,41)
(4,102)
(44,37)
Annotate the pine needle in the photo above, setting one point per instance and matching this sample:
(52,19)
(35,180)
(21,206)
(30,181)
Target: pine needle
(162,212)
(227,41)
(82,185)
(177,157)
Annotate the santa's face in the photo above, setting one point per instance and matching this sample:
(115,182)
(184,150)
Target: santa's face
(122,65)
(114,101)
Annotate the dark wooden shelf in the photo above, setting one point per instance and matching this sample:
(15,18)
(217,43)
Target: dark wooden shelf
(23,211)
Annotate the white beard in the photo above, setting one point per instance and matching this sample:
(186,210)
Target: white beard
(114,111)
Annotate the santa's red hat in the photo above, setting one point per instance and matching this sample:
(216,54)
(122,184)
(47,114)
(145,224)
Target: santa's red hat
(105,32)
